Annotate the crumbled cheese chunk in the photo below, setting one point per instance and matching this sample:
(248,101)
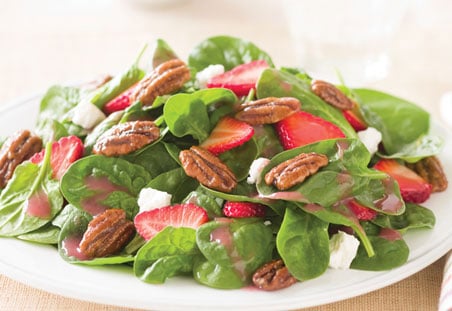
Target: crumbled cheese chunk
(210,71)
(87,115)
(343,249)
(150,198)
(371,138)
(255,170)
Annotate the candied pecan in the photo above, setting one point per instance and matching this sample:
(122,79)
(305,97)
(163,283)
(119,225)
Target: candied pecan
(207,169)
(16,149)
(295,170)
(267,110)
(107,234)
(126,137)
(331,94)
(272,276)
(167,78)
(431,170)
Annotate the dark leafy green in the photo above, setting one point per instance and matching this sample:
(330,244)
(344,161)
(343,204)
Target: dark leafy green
(48,234)
(162,52)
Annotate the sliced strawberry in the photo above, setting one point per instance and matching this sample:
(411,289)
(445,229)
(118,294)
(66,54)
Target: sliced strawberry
(120,102)
(227,134)
(361,212)
(302,128)
(240,79)
(243,209)
(413,188)
(356,122)
(64,152)
(149,223)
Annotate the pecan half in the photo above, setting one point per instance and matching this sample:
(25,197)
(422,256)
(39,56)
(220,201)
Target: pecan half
(107,234)
(207,169)
(431,170)
(165,79)
(126,137)
(17,148)
(294,171)
(267,110)
(331,94)
(272,276)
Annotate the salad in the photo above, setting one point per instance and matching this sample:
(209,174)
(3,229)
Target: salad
(225,168)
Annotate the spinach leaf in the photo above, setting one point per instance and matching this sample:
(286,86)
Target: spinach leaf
(424,146)
(239,159)
(48,234)
(206,200)
(31,198)
(388,255)
(273,82)
(225,50)
(162,52)
(101,128)
(403,124)
(233,250)
(267,141)
(96,182)
(171,252)
(303,244)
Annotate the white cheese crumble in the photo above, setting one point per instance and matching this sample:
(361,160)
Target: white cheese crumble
(255,170)
(343,249)
(371,138)
(207,73)
(87,115)
(150,199)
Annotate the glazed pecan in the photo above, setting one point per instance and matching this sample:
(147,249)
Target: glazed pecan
(272,276)
(126,137)
(165,79)
(207,169)
(431,170)
(331,94)
(294,171)
(16,149)
(107,234)
(267,110)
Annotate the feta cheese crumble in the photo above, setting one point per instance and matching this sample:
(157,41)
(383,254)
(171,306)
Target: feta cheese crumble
(150,199)
(87,115)
(371,138)
(343,249)
(256,169)
(209,72)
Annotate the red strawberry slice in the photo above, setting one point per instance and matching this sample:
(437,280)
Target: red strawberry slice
(361,212)
(227,134)
(356,122)
(65,151)
(149,223)
(413,188)
(120,102)
(243,209)
(302,128)
(240,79)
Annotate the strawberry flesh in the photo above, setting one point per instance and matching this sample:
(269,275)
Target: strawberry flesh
(243,209)
(361,212)
(120,102)
(302,128)
(357,123)
(240,79)
(65,151)
(413,188)
(227,134)
(149,223)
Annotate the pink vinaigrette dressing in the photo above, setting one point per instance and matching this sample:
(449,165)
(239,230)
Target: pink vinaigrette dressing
(102,188)
(71,247)
(38,205)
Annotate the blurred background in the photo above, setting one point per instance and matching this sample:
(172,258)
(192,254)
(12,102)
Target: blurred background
(44,42)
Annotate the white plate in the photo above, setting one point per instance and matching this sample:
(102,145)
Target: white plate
(41,266)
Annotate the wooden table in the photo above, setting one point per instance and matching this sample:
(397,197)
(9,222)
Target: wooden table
(48,42)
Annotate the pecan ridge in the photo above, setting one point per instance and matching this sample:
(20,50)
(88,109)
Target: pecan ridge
(126,137)
(207,169)
(431,170)
(267,110)
(331,94)
(272,276)
(165,79)
(295,170)
(107,234)
(17,148)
